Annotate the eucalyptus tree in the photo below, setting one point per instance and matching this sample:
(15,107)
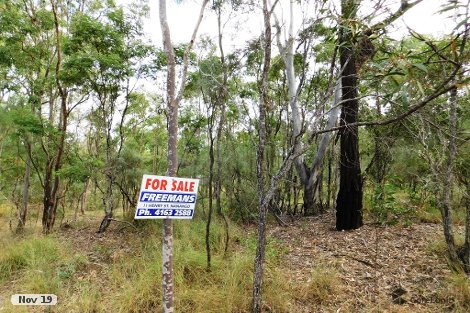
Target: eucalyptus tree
(349,200)
(355,48)
(104,53)
(173,98)
(441,129)
(32,51)
(309,175)
(54,161)
(260,166)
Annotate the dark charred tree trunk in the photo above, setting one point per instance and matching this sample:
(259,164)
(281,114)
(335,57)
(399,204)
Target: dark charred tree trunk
(349,200)
(210,127)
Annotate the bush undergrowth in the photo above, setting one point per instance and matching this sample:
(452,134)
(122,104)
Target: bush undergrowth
(98,281)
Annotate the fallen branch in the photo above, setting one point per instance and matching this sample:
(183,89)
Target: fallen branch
(355,259)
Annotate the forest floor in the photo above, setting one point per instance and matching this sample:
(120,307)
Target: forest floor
(373,269)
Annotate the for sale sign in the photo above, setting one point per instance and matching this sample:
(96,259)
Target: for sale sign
(163,197)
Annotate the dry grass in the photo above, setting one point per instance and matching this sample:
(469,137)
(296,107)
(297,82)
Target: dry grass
(455,291)
(322,285)
(120,271)
(309,270)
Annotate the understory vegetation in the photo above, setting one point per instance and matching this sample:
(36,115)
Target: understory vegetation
(329,140)
(122,271)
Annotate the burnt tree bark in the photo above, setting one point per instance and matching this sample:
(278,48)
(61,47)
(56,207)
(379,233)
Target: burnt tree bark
(354,51)
(349,199)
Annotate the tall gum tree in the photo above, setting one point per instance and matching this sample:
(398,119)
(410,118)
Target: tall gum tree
(309,175)
(173,99)
(354,50)
(349,199)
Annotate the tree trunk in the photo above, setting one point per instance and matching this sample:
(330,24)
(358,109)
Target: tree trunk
(466,251)
(309,177)
(328,190)
(349,200)
(210,186)
(172,154)
(84,197)
(260,170)
(172,157)
(51,179)
(108,206)
(222,99)
(54,163)
(311,205)
(446,201)
(25,191)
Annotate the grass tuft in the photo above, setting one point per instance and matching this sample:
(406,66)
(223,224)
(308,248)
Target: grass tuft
(457,291)
(323,284)
(33,254)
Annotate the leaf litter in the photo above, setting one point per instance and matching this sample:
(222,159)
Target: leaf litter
(379,268)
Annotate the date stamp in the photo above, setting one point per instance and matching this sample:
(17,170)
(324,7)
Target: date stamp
(34,299)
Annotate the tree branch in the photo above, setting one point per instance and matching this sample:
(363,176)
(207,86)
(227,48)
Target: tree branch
(399,117)
(405,6)
(187,51)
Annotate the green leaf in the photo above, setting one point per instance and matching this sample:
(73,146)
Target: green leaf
(420,87)
(421,67)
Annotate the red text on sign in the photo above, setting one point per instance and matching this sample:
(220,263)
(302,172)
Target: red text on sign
(156,184)
(182,186)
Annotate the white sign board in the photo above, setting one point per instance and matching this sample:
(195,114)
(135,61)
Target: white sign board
(164,197)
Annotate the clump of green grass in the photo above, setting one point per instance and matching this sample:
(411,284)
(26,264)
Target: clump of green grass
(456,291)
(132,282)
(40,264)
(35,253)
(226,287)
(439,246)
(429,215)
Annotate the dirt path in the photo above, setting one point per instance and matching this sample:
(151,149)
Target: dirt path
(379,269)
